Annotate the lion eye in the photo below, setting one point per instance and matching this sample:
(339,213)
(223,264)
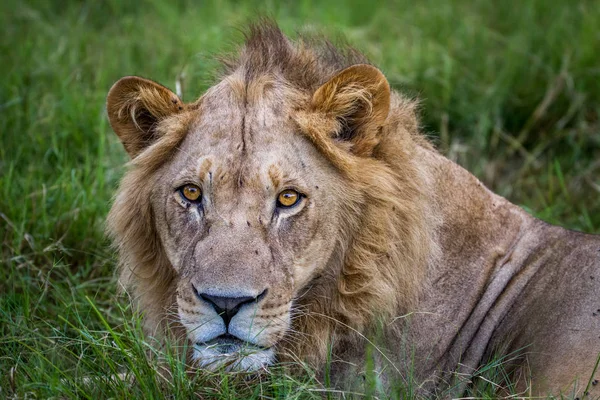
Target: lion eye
(191,192)
(288,198)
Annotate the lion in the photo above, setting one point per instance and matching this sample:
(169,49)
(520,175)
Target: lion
(295,212)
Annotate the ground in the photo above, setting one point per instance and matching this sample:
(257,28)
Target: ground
(510,90)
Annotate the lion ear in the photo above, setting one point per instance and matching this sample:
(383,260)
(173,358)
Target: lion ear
(135,106)
(359,98)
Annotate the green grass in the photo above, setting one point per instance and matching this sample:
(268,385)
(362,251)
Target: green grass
(510,90)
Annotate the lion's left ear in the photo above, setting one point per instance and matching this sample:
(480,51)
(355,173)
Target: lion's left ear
(359,98)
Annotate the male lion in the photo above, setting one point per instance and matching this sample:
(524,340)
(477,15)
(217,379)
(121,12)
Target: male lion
(294,212)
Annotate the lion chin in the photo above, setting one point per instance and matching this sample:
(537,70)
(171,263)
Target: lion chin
(228,353)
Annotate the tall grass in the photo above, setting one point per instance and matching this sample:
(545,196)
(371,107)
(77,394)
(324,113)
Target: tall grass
(510,89)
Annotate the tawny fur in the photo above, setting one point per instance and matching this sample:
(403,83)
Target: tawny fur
(399,220)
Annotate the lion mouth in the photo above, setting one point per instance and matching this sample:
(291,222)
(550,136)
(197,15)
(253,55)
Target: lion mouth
(228,344)
(232,354)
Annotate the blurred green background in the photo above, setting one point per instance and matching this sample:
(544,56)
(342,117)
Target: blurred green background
(509,89)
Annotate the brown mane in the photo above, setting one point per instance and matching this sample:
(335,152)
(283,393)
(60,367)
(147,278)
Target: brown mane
(305,63)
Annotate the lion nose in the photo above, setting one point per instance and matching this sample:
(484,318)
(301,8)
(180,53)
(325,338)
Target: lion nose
(227,307)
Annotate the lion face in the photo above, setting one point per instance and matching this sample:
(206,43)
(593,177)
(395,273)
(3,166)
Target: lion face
(241,203)
(246,213)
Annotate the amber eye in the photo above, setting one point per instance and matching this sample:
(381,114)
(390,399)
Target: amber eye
(288,198)
(191,192)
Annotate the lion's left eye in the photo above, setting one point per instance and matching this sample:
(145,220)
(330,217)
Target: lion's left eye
(288,198)
(191,192)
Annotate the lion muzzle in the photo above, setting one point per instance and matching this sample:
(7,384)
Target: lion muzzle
(224,330)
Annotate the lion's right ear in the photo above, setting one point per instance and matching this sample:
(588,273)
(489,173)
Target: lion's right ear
(135,106)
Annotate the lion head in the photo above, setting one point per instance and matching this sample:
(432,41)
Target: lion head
(280,210)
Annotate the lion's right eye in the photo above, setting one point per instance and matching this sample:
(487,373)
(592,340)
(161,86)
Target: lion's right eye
(191,192)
